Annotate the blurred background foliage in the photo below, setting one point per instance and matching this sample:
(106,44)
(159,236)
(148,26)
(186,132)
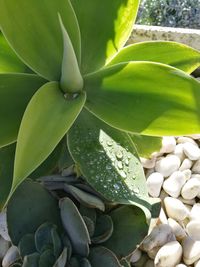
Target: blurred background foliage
(170,13)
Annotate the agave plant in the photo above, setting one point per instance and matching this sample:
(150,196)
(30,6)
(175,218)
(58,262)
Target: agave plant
(70,88)
(84,231)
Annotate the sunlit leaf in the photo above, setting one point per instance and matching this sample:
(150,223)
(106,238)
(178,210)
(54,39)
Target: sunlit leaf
(47,118)
(145,97)
(105,27)
(146,145)
(177,55)
(16,91)
(32,29)
(9,62)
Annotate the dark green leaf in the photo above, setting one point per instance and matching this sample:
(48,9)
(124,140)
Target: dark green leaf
(105,27)
(48,117)
(108,160)
(85,263)
(146,145)
(57,244)
(43,237)
(145,97)
(90,225)
(62,259)
(125,263)
(103,229)
(32,28)
(130,228)
(177,55)
(101,256)
(16,91)
(29,207)
(75,227)
(46,259)
(31,260)
(27,245)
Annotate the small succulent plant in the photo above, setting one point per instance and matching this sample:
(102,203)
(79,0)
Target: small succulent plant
(75,227)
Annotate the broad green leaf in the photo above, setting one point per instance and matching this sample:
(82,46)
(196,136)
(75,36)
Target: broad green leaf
(7,155)
(62,259)
(47,118)
(46,258)
(43,237)
(108,160)
(171,53)
(9,62)
(101,256)
(26,245)
(130,228)
(16,91)
(31,260)
(145,97)
(105,27)
(33,30)
(71,80)
(29,207)
(146,145)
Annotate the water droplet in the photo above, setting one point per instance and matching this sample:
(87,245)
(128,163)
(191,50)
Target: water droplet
(119,155)
(109,143)
(127,162)
(123,174)
(136,190)
(129,155)
(116,186)
(120,165)
(108,167)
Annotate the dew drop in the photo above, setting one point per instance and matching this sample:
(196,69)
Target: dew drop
(109,143)
(119,155)
(123,174)
(127,162)
(116,186)
(120,165)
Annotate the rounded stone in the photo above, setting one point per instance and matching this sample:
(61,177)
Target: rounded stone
(175,209)
(166,166)
(154,184)
(191,151)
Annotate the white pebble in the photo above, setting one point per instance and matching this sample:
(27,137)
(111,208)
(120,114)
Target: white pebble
(169,255)
(179,152)
(174,183)
(11,256)
(136,255)
(193,229)
(195,136)
(153,252)
(183,139)
(166,166)
(162,217)
(196,167)
(187,174)
(3,226)
(159,236)
(197,263)
(175,209)
(187,201)
(148,163)
(195,212)
(191,151)
(191,250)
(191,188)
(168,144)
(154,184)
(186,164)
(181,265)
(177,229)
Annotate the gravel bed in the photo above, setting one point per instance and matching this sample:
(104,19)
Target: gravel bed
(173,174)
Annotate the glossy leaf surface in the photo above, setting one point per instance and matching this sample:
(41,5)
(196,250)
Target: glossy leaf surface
(103,35)
(129,229)
(36,36)
(29,207)
(108,160)
(16,91)
(47,118)
(145,97)
(7,155)
(177,55)
(9,62)
(146,145)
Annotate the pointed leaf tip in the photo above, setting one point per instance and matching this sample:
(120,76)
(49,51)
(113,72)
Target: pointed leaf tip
(71,79)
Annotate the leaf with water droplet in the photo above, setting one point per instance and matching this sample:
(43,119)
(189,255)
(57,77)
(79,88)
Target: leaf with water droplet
(93,145)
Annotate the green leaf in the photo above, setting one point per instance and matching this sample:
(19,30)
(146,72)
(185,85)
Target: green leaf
(101,256)
(7,155)
(103,35)
(43,237)
(62,259)
(75,227)
(145,144)
(171,53)
(32,29)
(145,97)
(103,229)
(47,118)
(31,260)
(107,159)
(26,245)
(46,259)
(71,79)
(130,228)
(15,92)
(29,207)
(9,62)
